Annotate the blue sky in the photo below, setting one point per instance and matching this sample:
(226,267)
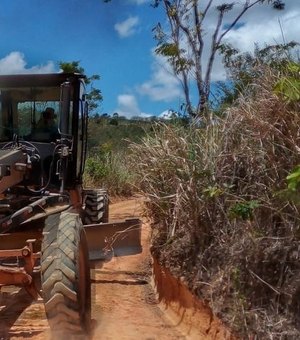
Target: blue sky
(115,41)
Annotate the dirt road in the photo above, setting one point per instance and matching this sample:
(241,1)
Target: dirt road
(124,305)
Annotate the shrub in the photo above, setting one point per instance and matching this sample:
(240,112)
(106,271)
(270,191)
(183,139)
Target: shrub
(110,171)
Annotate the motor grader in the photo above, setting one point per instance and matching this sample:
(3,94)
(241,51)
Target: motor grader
(50,226)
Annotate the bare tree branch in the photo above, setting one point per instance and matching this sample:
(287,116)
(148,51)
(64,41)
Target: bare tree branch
(203,15)
(246,7)
(214,47)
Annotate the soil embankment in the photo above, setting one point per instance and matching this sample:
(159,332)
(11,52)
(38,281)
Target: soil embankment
(124,303)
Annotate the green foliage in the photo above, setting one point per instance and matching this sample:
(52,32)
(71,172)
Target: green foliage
(107,164)
(243,210)
(175,56)
(96,168)
(71,67)
(114,121)
(111,171)
(94,96)
(288,86)
(245,68)
(168,50)
(116,131)
(236,278)
(293,179)
(213,191)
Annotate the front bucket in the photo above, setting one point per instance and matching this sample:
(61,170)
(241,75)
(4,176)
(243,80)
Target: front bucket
(119,238)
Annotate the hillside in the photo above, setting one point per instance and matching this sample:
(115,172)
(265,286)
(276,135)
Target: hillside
(115,133)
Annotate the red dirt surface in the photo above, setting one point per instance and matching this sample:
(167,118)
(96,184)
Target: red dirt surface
(124,305)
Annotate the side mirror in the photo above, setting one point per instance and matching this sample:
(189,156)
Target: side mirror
(64,110)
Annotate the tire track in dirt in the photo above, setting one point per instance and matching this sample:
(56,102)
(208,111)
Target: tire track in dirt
(124,305)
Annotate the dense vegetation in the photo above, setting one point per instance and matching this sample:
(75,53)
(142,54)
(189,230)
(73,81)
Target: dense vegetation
(223,199)
(107,165)
(223,215)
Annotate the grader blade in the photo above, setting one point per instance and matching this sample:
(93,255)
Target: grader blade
(118,238)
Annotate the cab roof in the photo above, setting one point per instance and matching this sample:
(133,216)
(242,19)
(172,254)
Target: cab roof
(32,80)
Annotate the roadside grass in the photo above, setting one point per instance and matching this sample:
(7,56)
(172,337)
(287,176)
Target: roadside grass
(107,163)
(222,215)
(110,171)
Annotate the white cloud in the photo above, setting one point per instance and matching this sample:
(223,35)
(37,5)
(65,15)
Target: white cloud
(15,63)
(261,25)
(167,114)
(163,85)
(127,27)
(145,115)
(139,2)
(128,106)
(266,32)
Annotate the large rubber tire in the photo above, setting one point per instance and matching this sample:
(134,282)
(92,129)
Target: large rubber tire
(96,208)
(65,276)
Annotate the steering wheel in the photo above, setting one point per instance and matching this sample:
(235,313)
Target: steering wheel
(9,145)
(31,149)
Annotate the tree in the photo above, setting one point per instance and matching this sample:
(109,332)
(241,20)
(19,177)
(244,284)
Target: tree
(94,95)
(245,68)
(71,66)
(184,44)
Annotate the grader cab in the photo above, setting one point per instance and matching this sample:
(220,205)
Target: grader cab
(50,226)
